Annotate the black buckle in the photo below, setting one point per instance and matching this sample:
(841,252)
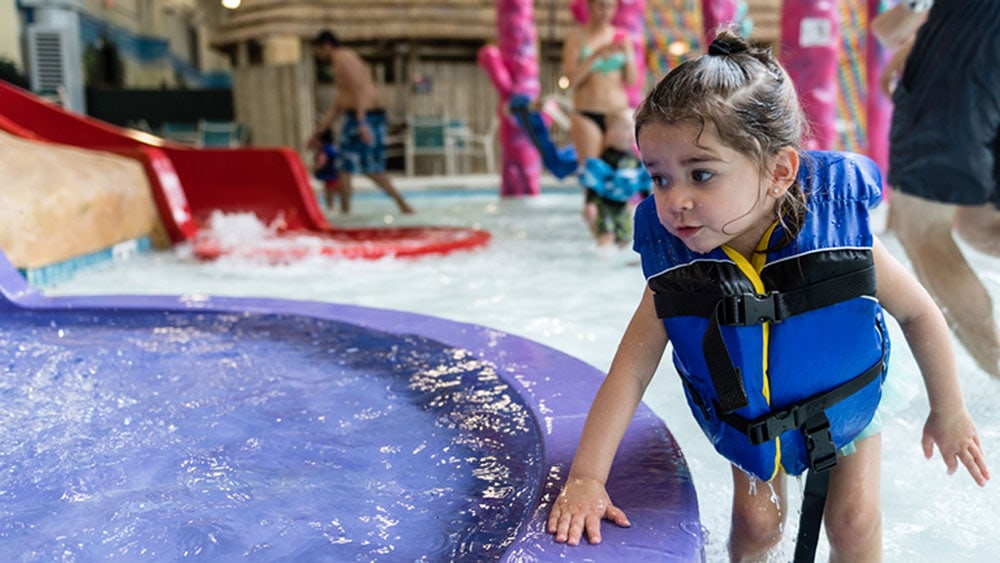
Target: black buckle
(816,431)
(772,426)
(751,308)
(819,443)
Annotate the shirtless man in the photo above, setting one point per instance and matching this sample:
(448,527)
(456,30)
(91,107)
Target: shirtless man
(362,137)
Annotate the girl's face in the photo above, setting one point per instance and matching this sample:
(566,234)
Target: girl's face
(708,194)
(603,10)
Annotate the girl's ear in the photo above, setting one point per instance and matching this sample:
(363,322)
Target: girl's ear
(785,171)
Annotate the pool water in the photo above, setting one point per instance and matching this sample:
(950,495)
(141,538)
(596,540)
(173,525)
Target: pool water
(542,278)
(275,438)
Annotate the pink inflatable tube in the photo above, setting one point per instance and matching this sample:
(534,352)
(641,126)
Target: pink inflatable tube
(630,19)
(512,65)
(809,50)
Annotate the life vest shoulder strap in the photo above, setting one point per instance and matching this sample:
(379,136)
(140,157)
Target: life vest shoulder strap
(744,309)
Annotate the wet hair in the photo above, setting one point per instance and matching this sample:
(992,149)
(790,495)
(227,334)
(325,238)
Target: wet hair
(326,37)
(748,97)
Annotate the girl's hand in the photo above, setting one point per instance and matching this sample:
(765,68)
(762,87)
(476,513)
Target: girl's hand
(957,440)
(579,508)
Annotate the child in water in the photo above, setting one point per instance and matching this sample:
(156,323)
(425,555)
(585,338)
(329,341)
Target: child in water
(763,272)
(613,179)
(325,167)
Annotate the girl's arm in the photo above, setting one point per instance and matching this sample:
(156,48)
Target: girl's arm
(584,501)
(949,425)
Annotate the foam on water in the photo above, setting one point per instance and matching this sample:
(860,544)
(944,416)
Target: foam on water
(542,278)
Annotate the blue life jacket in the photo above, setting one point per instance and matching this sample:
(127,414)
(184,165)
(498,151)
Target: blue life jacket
(782,359)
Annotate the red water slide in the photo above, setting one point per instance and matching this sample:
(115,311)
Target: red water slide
(189,183)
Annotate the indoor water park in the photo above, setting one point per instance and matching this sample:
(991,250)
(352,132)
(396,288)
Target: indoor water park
(205,360)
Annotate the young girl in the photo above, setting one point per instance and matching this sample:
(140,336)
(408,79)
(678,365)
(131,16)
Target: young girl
(761,270)
(325,166)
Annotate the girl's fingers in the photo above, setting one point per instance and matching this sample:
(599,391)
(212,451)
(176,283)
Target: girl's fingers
(567,527)
(617,516)
(575,530)
(975,462)
(928,444)
(554,520)
(593,526)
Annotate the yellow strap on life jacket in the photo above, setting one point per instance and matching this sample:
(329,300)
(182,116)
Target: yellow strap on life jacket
(751,269)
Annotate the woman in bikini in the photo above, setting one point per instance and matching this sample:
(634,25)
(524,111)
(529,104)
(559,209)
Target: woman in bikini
(599,62)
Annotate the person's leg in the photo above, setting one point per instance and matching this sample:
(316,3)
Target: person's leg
(623,226)
(346,190)
(330,189)
(602,231)
(758,516)
(853,514)
(980,227)
(373,160)
(385,183)
(349,160)
(586,136)
(924,228)
(587,139)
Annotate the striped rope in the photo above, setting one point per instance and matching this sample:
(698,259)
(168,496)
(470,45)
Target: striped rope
(852,114)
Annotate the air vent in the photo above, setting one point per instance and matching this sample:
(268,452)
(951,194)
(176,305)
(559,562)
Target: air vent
(47,57)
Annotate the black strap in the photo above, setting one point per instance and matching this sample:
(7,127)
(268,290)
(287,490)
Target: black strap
(726,377)
(811,518)
(804,414)
(744,309)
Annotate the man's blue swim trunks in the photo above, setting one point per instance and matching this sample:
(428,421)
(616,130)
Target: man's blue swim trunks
(356,157)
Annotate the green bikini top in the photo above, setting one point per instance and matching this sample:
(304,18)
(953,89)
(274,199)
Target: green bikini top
(604,65)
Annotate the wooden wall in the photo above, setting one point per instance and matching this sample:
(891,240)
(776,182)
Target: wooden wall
(374,20)
(277,103)
(766,16)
